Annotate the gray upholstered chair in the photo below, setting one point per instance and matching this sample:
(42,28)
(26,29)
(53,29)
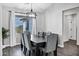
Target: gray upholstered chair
(51,45)
(28,46)
(22,42)
(23,47)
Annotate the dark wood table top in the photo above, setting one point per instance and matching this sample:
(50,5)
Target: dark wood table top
(36,39)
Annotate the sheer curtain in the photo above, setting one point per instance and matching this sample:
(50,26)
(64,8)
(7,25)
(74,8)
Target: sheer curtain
(12,29)
(34,26)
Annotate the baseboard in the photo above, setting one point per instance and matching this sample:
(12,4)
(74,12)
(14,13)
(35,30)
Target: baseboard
(15,44)
(4,46)
(77,43)
(18,43)
(62,46)
(65,40)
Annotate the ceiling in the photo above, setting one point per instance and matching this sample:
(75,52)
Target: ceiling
(37,7)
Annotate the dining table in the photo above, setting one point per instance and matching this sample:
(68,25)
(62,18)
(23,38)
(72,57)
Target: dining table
(38,39)
(38,42)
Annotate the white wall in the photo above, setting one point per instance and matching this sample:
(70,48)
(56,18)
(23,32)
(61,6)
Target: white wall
(5,17)
(54,18)
(0,31)
(41,26)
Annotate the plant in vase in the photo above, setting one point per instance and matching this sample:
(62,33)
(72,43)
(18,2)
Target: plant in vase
(4,34)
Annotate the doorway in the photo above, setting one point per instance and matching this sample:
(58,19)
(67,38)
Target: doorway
(70,25)
(70,31)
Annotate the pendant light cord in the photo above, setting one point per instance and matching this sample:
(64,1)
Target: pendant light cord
(31,7)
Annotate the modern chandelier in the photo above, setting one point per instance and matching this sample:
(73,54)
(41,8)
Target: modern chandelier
(31,14)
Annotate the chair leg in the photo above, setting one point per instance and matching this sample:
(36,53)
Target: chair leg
(41,53)
(46,54)
(25,50)
(33,52)
(55,53)
(30,53)
(21,47)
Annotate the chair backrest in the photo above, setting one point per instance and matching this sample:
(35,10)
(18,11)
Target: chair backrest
(27,37)
(22,39)
(39,33)
(51,42)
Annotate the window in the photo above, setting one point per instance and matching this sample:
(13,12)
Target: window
(19,24)
(29,25)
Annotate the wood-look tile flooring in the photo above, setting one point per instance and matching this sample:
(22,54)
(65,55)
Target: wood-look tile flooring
(13,51)
(70,49)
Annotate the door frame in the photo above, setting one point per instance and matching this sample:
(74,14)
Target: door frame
(63,26)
